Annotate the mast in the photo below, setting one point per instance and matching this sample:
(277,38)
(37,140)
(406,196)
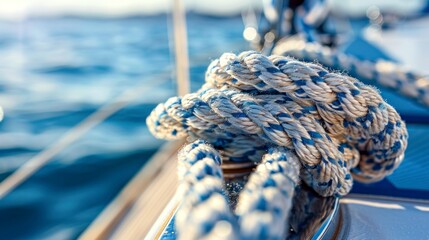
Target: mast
(181,47)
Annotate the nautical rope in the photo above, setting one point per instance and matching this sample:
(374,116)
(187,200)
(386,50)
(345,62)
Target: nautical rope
(335,126)
(384,73)
(204,211)
(263,205)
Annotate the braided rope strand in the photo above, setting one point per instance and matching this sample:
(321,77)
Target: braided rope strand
(204,212)
(348,108)
(263,206)
(384,73)
(326,177)
(265,202)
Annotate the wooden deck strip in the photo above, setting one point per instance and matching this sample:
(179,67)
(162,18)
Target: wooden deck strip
(148,207)
(133,212)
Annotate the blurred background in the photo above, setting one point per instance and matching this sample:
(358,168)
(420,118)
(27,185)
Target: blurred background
(62,60)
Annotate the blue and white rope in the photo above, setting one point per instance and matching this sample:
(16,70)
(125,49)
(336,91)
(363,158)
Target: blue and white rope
(334,125)
(351,112)
(323,116)
(263,205)
(204,211)
(381,72)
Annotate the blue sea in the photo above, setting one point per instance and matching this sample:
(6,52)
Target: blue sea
(57,71)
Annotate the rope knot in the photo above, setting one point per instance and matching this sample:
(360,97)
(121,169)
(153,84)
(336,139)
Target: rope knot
(331,125)
(335,124)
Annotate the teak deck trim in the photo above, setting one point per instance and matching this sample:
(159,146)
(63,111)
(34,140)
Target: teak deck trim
(141,201)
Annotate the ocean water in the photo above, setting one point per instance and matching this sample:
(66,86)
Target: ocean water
(57,71)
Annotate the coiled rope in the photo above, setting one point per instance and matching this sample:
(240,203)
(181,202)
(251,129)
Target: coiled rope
(333,124)
(384,73)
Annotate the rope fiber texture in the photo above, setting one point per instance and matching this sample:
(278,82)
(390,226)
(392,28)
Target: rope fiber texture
(384,73)
(263,205)
(253,107)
